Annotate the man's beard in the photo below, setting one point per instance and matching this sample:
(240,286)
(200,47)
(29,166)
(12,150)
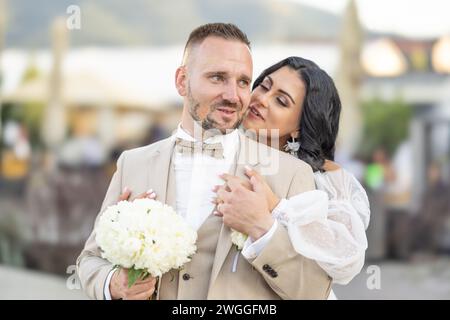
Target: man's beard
(208,123)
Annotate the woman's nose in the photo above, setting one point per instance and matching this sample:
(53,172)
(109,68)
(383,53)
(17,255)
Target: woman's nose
(261,99)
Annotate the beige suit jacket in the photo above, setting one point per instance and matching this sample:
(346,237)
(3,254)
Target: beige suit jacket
(278,272)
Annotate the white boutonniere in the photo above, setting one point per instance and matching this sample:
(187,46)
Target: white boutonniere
(238,239)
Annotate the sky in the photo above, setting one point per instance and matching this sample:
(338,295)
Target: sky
(412,18)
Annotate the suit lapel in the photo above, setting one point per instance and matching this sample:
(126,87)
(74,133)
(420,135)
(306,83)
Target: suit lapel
(159,171)
(245,156)
(161,179)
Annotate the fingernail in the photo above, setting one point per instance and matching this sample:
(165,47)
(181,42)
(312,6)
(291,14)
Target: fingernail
(215,213)
(149,191)
(247,168)
(126,189)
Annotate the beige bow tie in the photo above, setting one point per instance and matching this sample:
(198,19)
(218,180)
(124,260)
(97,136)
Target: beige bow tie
(214,150)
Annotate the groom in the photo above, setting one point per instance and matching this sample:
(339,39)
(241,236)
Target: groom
(214,81)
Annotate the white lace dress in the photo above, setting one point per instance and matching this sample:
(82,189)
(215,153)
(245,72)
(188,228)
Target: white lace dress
(328,224)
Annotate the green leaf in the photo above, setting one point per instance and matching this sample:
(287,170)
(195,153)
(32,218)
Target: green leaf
(145,275)
(134,275)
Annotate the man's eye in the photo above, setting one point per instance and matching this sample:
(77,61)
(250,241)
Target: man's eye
(244,83)
(216,78)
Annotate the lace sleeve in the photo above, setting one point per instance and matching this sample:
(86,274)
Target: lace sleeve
(328,225)
(342,186)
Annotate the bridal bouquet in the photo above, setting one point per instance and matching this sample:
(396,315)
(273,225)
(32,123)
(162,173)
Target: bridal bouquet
(145,236)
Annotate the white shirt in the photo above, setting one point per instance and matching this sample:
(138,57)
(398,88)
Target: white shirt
(196,175)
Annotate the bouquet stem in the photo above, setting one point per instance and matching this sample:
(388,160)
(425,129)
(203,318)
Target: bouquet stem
(135,275)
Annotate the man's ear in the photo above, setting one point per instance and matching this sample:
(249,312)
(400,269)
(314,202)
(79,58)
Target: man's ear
(180,81)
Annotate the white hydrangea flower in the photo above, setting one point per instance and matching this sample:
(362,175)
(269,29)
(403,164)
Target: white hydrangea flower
(145,235)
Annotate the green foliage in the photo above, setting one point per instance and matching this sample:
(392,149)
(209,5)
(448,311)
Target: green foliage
(33,119)
(30,114)
(30,73)
(135,275)
(386,125)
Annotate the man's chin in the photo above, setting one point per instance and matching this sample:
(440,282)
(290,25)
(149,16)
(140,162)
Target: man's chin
(222,129)
(224,124)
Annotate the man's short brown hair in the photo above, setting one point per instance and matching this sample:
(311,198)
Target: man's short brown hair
(226,31)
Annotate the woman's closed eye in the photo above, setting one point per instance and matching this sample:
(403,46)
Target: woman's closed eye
(282,101)
(264,87)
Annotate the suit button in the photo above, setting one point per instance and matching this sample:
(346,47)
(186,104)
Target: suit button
(266,267)
(186,276)
(274,274)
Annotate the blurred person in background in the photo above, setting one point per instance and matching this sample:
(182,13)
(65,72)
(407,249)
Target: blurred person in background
(61,203)
(397,198)
(377,175)
(15,158)
(429,226)
(379,171)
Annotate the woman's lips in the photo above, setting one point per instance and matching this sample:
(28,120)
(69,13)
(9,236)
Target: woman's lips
(254,112)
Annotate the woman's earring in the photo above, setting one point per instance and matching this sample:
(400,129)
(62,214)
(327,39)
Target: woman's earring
(292,146)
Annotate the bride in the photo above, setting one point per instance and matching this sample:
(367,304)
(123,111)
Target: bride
(327,225)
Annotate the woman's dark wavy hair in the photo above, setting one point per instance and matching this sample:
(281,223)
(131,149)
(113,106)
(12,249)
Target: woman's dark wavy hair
(319,119)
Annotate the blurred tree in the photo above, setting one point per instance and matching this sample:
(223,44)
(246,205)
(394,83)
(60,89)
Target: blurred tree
(33,111)
(386,125)
(3,20)
(31,72)
(29,113)
(2,37)
(349,78)
(419,60)
(55,118)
